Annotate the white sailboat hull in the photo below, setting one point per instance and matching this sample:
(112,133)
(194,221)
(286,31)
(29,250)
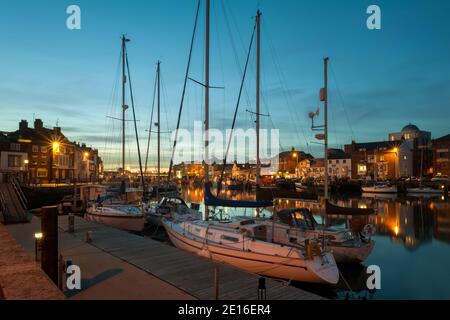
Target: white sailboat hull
(344,254)
(424,190)
(281,267)
(119,221)
(375,189)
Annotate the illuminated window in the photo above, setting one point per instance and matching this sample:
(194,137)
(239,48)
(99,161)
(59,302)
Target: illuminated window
(35,148)
(405,157)
(362,169)
(42,173)
(382,158)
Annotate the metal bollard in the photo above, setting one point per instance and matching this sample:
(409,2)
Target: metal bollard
(216,283)
(88,238)
(262,289)
(71,223)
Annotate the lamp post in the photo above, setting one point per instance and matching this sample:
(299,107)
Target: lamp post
(26,162)
(295,156)
(37,245)
(55,149)
(395,152)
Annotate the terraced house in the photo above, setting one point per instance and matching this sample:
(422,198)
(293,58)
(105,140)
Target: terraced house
(42,155)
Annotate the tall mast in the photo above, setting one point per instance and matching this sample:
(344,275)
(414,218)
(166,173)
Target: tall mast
(124,106)
(206,167)
(158,71)
(258,95)
(325,61)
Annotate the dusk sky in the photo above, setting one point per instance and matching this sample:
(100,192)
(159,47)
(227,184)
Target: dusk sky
(380,80)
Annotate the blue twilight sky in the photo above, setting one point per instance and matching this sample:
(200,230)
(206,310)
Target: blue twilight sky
(379,80)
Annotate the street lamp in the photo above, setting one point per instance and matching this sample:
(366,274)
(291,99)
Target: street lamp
(55,146)
(37,245)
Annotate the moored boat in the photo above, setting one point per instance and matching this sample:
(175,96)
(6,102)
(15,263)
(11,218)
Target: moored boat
(121,216)
(246,244)
(424,190)
(380,188)
(168,207)
(296,225)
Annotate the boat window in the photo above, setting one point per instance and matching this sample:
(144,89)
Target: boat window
(228,238)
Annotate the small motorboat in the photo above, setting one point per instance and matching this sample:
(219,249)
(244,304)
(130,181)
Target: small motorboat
(290,226)
(424,190)
(300,187)
(247,244)
(380,188)
(117,216)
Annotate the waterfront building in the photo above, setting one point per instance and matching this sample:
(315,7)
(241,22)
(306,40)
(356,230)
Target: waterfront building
(421,148)
(441,156)
(289,161)
(339,164)
(47,155)
(381,159)
(13,158)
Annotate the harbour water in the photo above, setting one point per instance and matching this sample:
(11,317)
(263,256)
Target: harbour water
(412,248)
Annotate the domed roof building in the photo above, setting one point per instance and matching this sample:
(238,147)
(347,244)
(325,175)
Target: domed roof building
(410,127)
(419,144)
(411,132)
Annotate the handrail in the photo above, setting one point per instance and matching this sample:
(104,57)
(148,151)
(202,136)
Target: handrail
(23,200)
(2,206)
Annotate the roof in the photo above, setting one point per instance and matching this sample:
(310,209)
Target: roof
(410,127)
(302,155)
(371,146)
(334,154)
(442,139)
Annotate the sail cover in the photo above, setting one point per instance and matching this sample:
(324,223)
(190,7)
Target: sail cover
(332,209)
(211,200)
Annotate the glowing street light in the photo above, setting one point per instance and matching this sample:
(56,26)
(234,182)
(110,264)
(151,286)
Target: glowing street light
(37,244)
(55,147)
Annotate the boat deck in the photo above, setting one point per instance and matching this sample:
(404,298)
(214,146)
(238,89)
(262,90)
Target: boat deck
(186,271)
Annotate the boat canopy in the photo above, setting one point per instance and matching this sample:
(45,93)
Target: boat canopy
(300,218)
(211,200)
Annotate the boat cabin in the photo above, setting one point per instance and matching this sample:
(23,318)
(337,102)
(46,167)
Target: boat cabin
(297,218)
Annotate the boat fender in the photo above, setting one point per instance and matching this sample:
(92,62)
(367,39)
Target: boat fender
(312,249)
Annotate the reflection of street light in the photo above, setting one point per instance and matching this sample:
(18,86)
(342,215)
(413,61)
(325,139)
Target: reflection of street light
(396,230)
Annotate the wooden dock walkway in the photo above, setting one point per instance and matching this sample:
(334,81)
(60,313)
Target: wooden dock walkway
(188,272)
(21,278)
(13,208)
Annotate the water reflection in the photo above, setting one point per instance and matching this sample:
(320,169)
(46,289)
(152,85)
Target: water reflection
(412,244)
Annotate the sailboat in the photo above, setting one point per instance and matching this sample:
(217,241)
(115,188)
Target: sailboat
(244,243)
(380,187)
(296,225)
(423,189)
(329,207)
(124,217)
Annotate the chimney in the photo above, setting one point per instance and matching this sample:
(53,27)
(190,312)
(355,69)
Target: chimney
(23,125)
(38,124)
